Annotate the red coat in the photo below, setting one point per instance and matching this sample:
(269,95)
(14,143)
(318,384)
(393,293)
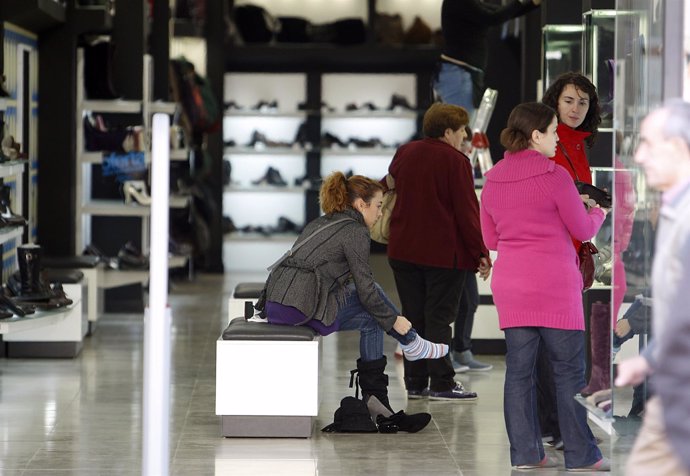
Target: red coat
(574,143)
(435,221)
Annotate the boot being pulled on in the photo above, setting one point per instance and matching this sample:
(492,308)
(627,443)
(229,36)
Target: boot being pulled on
(374,383)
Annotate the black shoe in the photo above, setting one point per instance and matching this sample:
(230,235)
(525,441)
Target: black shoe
(329,140)
(285,225)
(233,106)
(308,182)
(130,257)
(399,101)
(271,177)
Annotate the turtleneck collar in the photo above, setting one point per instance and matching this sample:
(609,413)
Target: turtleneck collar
(567,134)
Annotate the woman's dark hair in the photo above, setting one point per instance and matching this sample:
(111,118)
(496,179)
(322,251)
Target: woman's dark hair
(581,83)
(339,192)
(523,120)
(442,116)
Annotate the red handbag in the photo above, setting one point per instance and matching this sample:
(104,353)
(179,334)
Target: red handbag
(586,257)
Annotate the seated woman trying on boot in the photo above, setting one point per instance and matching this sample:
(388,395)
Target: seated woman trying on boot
(327,284)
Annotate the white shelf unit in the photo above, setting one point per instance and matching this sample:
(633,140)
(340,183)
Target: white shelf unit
(260,205)
(87,207)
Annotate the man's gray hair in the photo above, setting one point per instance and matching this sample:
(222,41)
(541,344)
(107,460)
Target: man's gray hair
(677,122)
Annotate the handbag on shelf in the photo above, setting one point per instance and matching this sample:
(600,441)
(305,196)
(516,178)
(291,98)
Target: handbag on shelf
(380,232)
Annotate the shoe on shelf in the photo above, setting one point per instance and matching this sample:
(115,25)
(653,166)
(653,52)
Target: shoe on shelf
(417,394)
(399,102)
(603,465)
(135,191)
(467,358)
(544,463)
(271,177)
(458,393)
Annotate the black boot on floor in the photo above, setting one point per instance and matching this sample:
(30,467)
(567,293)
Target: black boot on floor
(374,384)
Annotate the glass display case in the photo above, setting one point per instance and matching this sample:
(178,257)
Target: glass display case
(638,80)
(598,46)
(561,51)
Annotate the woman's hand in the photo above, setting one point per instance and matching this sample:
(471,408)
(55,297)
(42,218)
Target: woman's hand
(622,327)
(588,201)
(402,326)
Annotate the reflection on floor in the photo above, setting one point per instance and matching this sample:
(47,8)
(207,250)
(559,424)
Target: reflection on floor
(83,416)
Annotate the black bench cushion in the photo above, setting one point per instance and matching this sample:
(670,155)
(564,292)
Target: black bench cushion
(248,290)
(70,262)
(64,276)
(240,329)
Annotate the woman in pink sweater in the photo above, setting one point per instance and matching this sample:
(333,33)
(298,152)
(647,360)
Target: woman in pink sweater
(530,209)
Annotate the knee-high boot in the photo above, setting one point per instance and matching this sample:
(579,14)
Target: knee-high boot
(600,333)
(374,384)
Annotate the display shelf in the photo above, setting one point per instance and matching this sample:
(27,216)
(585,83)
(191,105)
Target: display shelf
(263,189)
(374,151)
(34,321)
(381,114)
(91,18)
(179,155)
(328,57)
(115,208)
(247,150)
(13,167)
(91,157)
(33,15)
(115,106)
(177,261)
(239,236)
(271,114)
(162,107)
(10,232)
(3,104)
(114,278)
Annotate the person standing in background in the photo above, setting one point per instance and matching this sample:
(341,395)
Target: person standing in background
(663,443)
(435,242)
(465,26)
(459,80)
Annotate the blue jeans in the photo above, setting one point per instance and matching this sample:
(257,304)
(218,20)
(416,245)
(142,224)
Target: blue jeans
(352,316)
(454,86)
(565,350)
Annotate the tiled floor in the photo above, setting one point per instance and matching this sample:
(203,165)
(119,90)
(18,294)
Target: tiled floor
(84,416)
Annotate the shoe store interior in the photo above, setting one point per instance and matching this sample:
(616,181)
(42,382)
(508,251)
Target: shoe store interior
(158,156)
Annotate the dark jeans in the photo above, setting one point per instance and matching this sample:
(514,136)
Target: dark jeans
(469,301)
(565,349)
(430,298)
(546,396)
(352,316)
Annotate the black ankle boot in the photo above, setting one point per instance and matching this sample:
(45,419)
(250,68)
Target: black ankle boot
(7,216)
(30,286)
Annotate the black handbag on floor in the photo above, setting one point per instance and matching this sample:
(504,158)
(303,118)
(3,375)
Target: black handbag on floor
(351,417)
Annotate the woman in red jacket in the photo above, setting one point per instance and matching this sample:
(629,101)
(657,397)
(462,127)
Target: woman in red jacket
(575,100)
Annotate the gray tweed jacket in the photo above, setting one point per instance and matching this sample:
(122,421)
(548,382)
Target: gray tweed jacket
(315,277)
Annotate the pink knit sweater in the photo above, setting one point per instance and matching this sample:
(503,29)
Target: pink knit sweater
(529,210)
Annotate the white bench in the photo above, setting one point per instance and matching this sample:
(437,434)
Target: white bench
(267,379)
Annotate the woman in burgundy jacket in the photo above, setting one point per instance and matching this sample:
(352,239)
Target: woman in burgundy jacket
(435,241)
